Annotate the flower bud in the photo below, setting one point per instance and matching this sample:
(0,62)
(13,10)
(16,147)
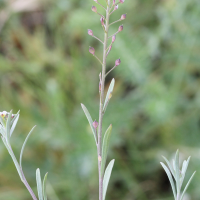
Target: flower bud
(120,28)
(94,9)
(102,21)
(117,62)
(113,38)
(123,17)
(114,2)
(99,87)
(95,124)
(96,1)
(121,1)
(91,50)
(90,32)
(109,49)
(116,7)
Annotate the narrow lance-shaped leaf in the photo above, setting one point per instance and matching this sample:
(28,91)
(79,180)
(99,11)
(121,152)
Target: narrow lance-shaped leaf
(2,121)
(106,177)
(8,127)
(39,184)
(15,116)
(44,187)
(184,169)
(170,178)
(187,185)
(14,125)
(110,90)
(170,166)
(13,158)
(105,146)
(2,130)
(177,171)
(89,120)
(23,146)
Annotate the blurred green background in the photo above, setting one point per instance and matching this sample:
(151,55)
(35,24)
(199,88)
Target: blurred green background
(46,72)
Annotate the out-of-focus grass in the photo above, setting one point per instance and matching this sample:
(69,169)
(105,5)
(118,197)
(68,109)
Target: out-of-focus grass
(46,72)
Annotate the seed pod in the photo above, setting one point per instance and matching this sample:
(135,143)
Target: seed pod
(102,21)
(92,50)
(117,62)
(95,124)
(90,32)
(94,9)
(116,7)
(120,28)
(123,17)
(113,38)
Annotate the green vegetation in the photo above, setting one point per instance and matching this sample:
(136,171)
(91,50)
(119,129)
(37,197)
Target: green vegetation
(46,72)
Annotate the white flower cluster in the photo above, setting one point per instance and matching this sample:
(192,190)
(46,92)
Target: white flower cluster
(5,114)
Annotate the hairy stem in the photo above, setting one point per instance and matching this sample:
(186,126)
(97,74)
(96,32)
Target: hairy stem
(99,147)
(24,178)
(28,187)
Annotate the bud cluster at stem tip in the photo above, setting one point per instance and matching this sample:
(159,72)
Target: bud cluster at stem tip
(5,114)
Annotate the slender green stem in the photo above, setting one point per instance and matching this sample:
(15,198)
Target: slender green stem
(110,70)
(97,39)
(98,59)
(101,6)
(101,15)
(99,146)
(113,34)
(24,178)
(115,22)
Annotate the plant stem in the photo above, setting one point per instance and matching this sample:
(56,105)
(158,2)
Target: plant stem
(99,146)
(28,187)
(23,177)
(110,70)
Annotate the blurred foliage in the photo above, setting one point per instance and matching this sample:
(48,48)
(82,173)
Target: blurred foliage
(46,72)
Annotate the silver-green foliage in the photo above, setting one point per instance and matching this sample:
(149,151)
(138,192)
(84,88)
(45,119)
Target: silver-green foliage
(176,174)
(8,122)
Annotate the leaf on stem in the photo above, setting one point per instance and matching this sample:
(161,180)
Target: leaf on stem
(87,114)
(184,169)
(106,141)
(13,125)
(110,90)
(15,116)
(1,121)
(22,149)
(170,178)
(8,127)
(44,187)
(169,165)
(106,177)
(39,184)
(177,171)
(187,185)
(13,158)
